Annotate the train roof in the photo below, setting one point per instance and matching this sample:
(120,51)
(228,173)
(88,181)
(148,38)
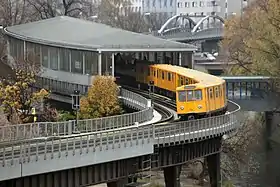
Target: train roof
(202,78)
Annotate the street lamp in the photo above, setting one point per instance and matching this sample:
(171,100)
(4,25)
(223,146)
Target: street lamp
(76,106)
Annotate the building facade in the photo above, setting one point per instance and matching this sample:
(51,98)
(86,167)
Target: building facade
(222,8)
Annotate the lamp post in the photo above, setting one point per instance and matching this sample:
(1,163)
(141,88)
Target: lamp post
(76,106)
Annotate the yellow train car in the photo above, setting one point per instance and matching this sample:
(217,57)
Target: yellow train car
(197,94)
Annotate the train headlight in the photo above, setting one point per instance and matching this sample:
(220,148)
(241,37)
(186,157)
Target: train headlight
(182,107)
(199,106)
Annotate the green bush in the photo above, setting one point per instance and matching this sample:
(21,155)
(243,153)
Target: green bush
(65,116)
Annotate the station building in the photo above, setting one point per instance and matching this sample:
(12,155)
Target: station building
(74,50)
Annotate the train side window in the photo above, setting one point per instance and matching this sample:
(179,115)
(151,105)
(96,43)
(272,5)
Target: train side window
(182,96)
(216,92)
(182,80)
(187,81)
(221,90)
(198,94)
(211,93)
(154,73)
(162,75)
(169,76)
(157,73)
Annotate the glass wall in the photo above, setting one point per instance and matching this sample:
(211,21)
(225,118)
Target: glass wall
(64,57)
(53,58)
(91,63)
(61,59)
(45,56)
(76,61)
(33,52)
(106,64)
(16,48)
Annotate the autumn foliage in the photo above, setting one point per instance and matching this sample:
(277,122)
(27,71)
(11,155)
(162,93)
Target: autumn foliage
(17,95)
(252,40)
(102,99)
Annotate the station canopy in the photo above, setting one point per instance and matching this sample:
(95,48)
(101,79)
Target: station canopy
(68,32)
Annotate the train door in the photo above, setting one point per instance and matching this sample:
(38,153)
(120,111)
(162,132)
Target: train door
(159,79)
(217,99)
(190,101)
(211,99)
(221,96)
(207,99)
(155,76)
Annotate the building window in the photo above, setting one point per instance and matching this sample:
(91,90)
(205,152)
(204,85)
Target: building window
(187,4)
(159,1)
(45,56)
(154,3)
(53,58)
(76,61)
(180,5)
(64,62)
(194,4)
(165,3)
(201,3)
(171,3)
(214,3)
(91,63)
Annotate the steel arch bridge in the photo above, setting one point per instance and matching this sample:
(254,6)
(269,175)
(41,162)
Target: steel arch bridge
(183,27)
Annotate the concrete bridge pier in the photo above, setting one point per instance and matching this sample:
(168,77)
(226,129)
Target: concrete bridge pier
(214,170)
(172,176)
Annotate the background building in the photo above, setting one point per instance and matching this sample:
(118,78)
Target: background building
(222,8)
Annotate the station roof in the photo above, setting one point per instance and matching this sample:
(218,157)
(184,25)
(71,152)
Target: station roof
(80,34)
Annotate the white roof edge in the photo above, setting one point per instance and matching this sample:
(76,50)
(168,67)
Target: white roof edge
(148,49)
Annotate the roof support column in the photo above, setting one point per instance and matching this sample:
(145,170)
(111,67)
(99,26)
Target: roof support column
(99,63)
(192,63)
(180,59)
(113,64)
(84,64)
(24,50)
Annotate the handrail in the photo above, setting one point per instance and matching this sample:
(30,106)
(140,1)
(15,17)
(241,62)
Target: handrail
(40,148)
(44,129)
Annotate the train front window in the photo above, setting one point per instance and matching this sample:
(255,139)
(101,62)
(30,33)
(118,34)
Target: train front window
(182,96)
(194,95)
(190,95)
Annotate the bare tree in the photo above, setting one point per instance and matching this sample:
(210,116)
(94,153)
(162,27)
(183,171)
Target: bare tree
(13,12)
(119,14)
(52,8)
(241,158)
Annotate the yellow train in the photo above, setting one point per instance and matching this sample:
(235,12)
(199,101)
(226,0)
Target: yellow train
(197,94)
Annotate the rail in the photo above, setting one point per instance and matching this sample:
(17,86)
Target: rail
(45,129)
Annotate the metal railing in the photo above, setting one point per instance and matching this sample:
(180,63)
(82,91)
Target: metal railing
(61,87)
(62,146)
(45,129)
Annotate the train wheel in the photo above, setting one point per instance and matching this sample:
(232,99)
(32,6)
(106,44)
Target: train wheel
(191,117)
